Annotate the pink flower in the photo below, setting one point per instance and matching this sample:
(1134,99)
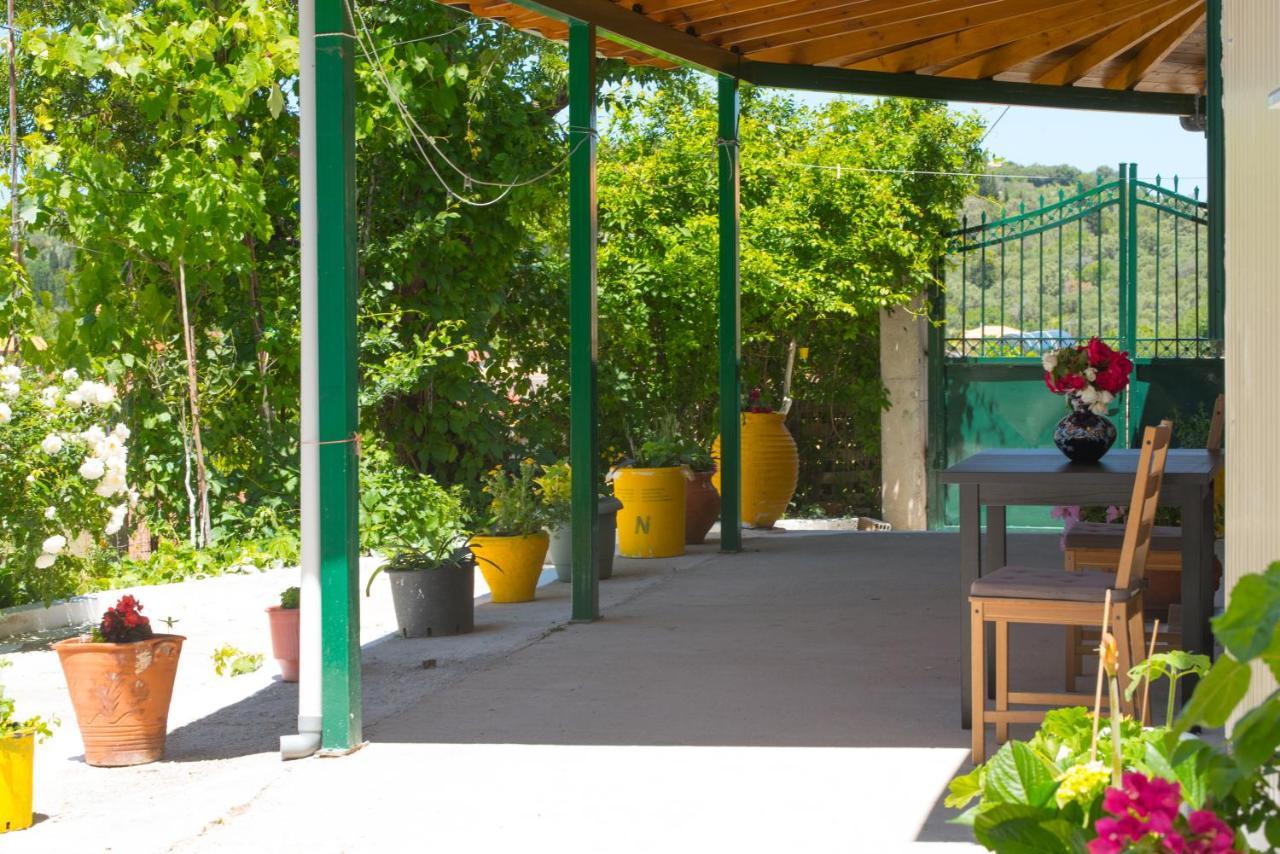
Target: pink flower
(1212,836)
(1114,513)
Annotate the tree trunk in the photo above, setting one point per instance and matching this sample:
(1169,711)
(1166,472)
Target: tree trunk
(255,315)
(193,395)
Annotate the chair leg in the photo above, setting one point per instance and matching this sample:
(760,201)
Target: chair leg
(1002,679)
(1073,657)
(1138,651)
(1124,657)
(978,682)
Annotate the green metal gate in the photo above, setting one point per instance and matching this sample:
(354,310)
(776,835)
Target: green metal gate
(1125,260)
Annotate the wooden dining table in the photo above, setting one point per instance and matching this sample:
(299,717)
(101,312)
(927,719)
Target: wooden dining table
(996,479)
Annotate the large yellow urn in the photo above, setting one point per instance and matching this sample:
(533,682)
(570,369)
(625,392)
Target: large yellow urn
(17,757)
(770,468)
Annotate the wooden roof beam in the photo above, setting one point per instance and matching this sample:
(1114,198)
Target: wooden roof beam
(798,14)
(1156,49)
(1045,42)
(955,47)
(1080,64)
(835,44)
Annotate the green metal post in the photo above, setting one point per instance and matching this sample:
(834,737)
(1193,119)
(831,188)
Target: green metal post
(1217,171)
(730,323)
(336,327)
(584,457)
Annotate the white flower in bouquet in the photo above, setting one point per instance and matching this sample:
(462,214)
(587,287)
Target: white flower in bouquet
(54,544)
(10,373)
(1050,360)
(92,468)
(50,513)
(70,375)
(116,521)
(10,389)
(1091,374)
(51,444)
(44,561)
(6,414)
(50,396)
(1088,395)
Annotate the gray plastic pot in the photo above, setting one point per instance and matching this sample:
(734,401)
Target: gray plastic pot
(561,551)
(435,602)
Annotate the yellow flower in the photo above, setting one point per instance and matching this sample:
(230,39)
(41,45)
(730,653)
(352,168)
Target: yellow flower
(1081,784)
(1110,653)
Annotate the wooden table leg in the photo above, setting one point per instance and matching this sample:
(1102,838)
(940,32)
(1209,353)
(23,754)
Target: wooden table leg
(970,569)
(996,556)
(1197,576)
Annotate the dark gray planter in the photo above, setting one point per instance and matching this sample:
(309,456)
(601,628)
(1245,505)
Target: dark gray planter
(561,551)
(435,602)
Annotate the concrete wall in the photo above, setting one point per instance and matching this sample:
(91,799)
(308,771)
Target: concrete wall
(904,427)
(1251,70)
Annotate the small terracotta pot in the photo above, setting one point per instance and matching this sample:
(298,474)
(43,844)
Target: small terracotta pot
(121,694)
(701,507)
(284,640)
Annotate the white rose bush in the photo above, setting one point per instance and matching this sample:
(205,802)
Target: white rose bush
(64,485)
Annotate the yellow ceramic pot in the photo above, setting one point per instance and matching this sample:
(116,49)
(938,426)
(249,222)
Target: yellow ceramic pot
(651,521)
(511,565)
(770,468)
(17,758)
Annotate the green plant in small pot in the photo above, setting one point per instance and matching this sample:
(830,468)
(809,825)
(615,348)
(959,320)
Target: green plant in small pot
(511,551)
(285,633)
(557,499)
(701,499)
(432,574)
(18,739)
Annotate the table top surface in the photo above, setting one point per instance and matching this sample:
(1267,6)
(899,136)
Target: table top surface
(1023,465)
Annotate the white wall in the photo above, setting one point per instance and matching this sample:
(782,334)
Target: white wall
(1251,70)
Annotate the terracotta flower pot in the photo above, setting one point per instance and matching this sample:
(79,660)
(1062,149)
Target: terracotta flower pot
(121,694)
(284,640)
(701,507)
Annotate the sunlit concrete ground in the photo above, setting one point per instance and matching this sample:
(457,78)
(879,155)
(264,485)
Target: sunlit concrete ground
(801,696)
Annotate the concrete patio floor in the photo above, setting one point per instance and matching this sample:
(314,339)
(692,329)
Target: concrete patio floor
(801,696)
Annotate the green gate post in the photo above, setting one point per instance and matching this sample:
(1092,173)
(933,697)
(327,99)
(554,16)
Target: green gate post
(730,323)
(584,457)
(1216,145)
(336,328)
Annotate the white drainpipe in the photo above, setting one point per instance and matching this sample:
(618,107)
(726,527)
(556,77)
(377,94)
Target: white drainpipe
(307,739)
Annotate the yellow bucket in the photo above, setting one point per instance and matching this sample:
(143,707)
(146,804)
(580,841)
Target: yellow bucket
(17,758)
(511,565)
(651,521)
(770,468)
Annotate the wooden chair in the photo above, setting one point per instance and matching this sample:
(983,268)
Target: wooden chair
(1049,596)
(1096,545)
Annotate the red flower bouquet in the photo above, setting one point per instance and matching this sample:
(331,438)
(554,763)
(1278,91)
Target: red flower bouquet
(1091,375)
(124,623)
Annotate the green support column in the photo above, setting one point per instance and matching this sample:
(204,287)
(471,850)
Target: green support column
(1217,169)
(336,322)
(584,456)
(730,323)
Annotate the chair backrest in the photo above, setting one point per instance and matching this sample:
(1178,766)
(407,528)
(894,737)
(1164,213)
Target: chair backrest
(1142,508)
(1217,424)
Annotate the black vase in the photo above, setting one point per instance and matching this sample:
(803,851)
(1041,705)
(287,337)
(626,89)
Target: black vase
(1083,436)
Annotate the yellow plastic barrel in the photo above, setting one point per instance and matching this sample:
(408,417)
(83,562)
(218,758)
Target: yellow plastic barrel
(770,468)
(17,758)
(651,521)
(511,565)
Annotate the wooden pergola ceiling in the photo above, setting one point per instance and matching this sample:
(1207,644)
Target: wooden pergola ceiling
(1155,47)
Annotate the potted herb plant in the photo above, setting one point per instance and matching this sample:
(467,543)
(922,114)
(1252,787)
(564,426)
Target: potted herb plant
(701,500)
(651,487)
(555,484)
(283,619)
(17,761)
(511,552)
(121,681)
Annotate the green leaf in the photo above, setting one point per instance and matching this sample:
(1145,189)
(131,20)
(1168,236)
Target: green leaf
(1248,625)
(1021,829)
(1216,696)
(1256,736)
(964,789)
(1018,775)
(275,101)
